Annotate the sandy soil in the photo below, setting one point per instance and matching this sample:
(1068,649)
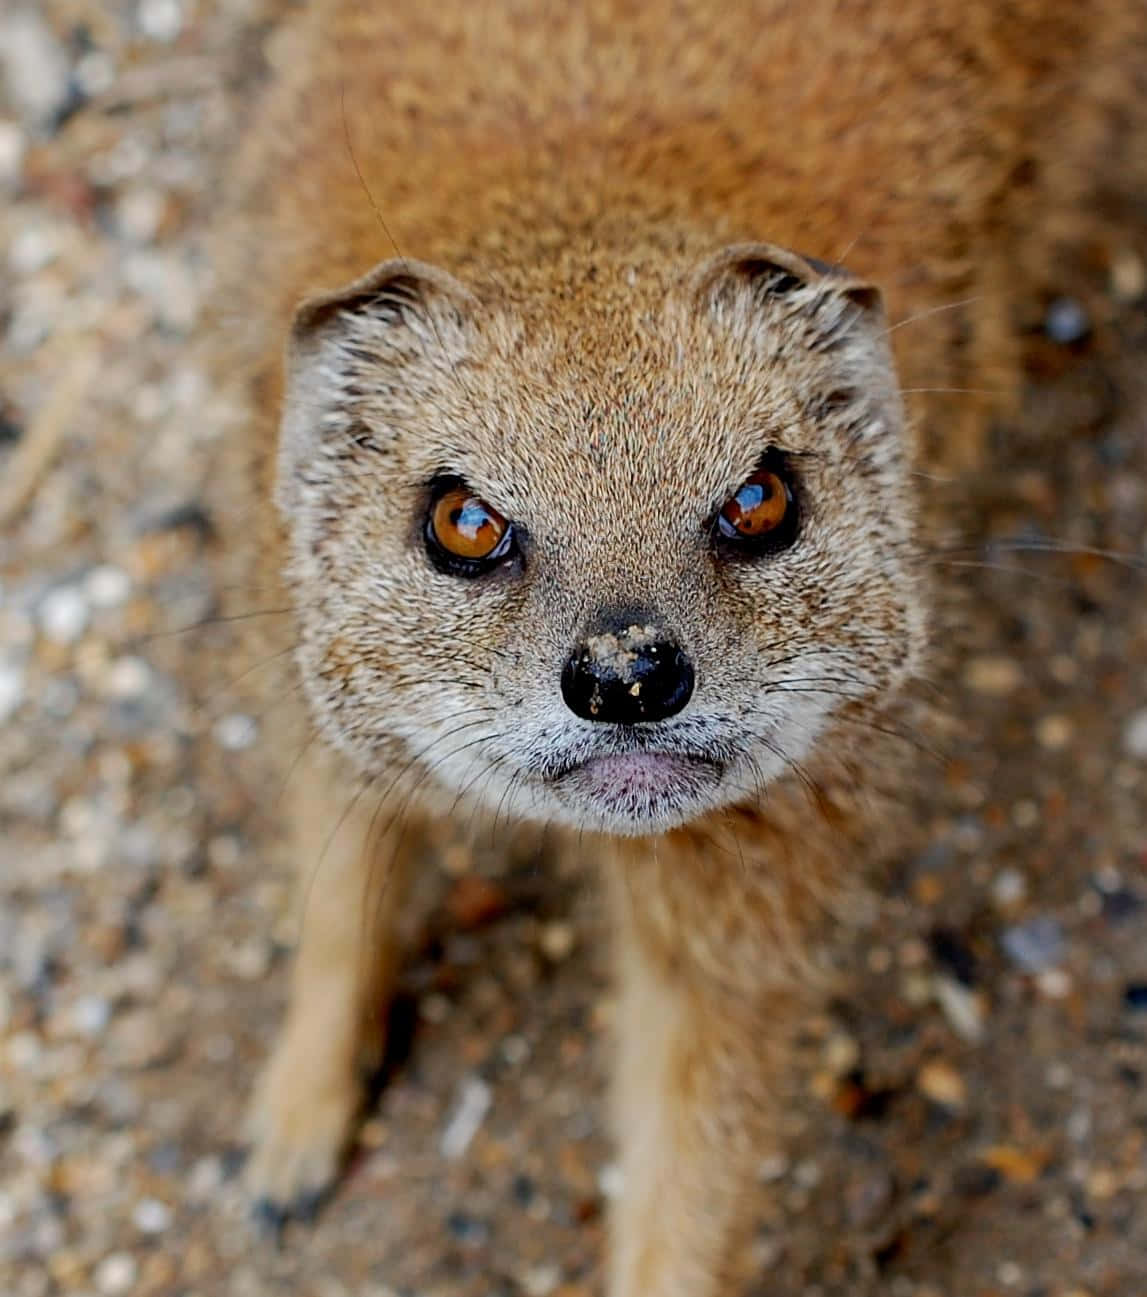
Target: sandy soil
(972,1121)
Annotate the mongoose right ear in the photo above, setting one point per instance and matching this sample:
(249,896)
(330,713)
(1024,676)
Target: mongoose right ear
(402,316)
(398,292)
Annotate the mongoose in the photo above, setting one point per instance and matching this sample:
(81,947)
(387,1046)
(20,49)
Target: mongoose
(589,474)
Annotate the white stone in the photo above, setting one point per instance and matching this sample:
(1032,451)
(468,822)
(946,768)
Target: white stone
(95,73)
(11,689)
(205,1179)
(151,1216)
(251,960)
(23,1050)
(34,65)
(160,20)
(107,586)
(12,148)
(469,1113)
(139,214)
(235,732)
(611,1181)
(541,1280)
(116,1274)
(64,615)
(31,250)
(1009,888)
(90,1015)
(1135,735)
(128,677)
(557,941)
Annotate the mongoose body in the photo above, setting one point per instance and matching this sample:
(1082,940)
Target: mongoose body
(589,477)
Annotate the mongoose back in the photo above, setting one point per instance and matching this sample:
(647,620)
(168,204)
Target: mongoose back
(589,477)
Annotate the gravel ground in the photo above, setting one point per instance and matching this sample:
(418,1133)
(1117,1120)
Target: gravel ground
(972,1121)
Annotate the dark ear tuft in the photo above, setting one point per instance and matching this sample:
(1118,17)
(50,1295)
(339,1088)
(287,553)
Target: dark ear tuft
(395,292)
(774,273)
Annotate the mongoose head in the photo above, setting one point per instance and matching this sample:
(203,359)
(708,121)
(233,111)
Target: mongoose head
(612,547)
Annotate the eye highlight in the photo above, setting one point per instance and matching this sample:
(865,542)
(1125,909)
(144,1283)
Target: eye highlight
(760,517)
(464,535)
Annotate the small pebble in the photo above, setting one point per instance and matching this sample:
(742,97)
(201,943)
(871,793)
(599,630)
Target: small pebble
(469,1113)
(205,1179)
(941,1083)
(611,1181)
(251,961)
(94,73)
(63,615)
(515,1050)
(841,1053)
(994,676)
(90,1015)
(1009,888)
(151,1216)
(1009,1274)
(139,214)
(34,66)
(107,586)
(11,689)
(12,149)
(1035,945)
(1102,1184)
(964,1008)
(235,732)
(556,941)
(1128,277)
(1066,321)
(160,20)
(1054,983)
(1058,1076)
(116,1274)
(127,678)
(1054,733)
(541,1280)
(1025,814)
(1135,735)
(31,250)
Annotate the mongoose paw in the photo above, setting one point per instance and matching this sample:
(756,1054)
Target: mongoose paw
(301,1125)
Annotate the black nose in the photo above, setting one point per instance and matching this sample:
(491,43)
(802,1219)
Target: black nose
(626,677)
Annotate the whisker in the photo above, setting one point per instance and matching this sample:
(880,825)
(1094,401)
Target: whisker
(935,310)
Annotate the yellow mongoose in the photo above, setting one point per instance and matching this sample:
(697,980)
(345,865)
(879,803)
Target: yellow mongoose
(589,478)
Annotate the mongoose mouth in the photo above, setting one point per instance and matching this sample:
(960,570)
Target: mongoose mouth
(641,785)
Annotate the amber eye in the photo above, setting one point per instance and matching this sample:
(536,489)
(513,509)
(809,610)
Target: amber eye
(465,535)
(761,515)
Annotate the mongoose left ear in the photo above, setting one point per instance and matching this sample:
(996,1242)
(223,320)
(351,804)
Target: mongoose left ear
(771,277)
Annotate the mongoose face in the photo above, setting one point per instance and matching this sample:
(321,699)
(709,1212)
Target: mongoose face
(611,585)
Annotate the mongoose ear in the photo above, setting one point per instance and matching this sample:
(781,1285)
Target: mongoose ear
(769,276)
(403,317)
(396,293)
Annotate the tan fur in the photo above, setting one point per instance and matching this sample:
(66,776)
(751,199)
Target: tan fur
(593,337)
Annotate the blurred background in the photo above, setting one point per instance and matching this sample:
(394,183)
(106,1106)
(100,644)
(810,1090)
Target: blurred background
(972,1117)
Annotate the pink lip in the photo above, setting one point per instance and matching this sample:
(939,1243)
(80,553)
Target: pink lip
(641,784)
(634,773)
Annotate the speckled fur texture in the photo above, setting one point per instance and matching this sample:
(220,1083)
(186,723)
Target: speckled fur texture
(528,238)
